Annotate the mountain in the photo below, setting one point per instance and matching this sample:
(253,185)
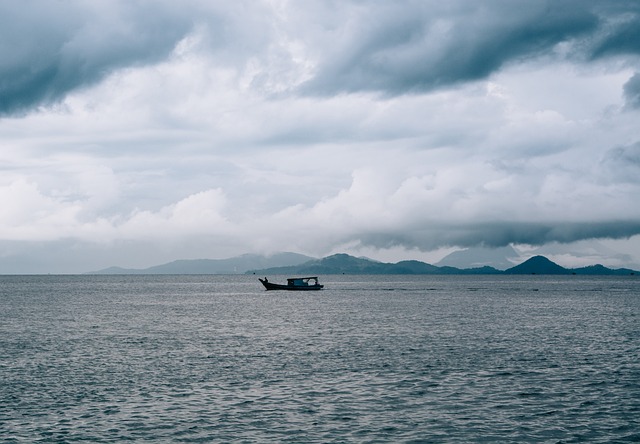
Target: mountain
(500,258)
(293,264)
(345,264)
(234,265)
(542,265)
(336,264)
(538,265)
(602,270)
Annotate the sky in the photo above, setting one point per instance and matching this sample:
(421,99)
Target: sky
(134,133)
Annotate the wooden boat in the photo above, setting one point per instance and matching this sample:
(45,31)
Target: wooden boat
(294,284)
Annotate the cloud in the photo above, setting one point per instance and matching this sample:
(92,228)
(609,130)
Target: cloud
(503,233)
(213,128)
(427,45)
(620,30)
(28,214)
(312,48)
(462,207)
(585,253)
(52,48)
(632,92)
(194,216)
(623,163)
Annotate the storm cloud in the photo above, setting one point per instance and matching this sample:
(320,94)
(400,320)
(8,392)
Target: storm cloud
(429,45)
(504,233)
(51,48)
(146,131)
(433,44)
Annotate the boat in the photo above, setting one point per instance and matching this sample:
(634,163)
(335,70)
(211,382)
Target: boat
(294,284)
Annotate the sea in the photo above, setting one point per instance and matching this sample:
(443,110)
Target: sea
(369,359)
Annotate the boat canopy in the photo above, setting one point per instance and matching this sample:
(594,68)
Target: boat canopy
(303,281)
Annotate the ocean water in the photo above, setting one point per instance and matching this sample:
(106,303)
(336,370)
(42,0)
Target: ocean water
(369,359)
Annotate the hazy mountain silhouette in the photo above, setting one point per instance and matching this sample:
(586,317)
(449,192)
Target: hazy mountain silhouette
(346,264)
(234,265)
(297,264)
(500,258)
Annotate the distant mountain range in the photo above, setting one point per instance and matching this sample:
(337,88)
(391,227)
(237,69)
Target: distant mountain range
(297,264)
(345,264)
(502,258)
(234,265)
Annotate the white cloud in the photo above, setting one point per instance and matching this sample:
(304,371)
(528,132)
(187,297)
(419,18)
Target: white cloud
(27,214)
(194,216)
(234,133)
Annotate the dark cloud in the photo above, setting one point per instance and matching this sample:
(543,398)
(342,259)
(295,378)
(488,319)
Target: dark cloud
(427,45)
(620,29)
(501,234)
(632,91)
(622,164)
(424,46)
(48,49)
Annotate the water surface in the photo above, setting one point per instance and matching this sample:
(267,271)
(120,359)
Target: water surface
(368,359)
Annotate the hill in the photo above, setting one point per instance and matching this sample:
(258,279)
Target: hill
(297,264)
(234,265)
(537,265)
(542,265)
(346,264)
(602,270)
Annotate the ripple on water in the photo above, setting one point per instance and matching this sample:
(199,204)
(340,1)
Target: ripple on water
(196,359)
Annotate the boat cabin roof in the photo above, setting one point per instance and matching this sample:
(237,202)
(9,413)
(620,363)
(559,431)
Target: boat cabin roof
(302,279)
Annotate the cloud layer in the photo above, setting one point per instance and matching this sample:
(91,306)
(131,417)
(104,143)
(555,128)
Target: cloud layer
(204,129)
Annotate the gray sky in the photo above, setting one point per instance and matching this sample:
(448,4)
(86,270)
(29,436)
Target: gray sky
(134,133)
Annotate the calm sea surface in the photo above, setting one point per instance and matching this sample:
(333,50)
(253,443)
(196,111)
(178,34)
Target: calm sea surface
(369,359)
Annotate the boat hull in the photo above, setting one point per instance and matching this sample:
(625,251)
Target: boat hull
(270,286)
